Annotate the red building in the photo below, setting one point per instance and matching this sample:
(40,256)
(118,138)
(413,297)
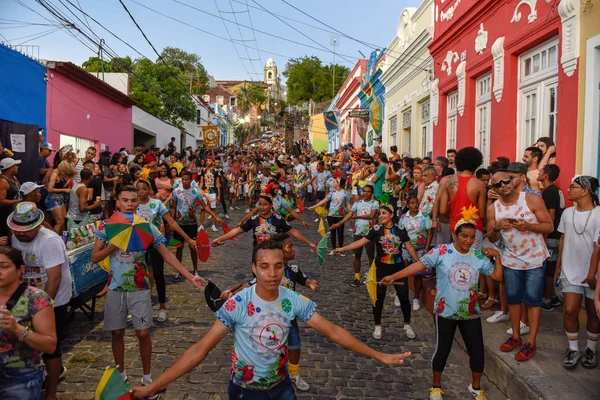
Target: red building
(220,95)
(505,74)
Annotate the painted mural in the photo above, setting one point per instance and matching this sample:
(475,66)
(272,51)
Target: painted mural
(371,95)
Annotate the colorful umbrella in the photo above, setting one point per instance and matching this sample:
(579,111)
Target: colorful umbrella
(301,207)
(129,232)
(212,295)
(371,283)
(226,229)
(322,249)
(174,243)
(203,246)
(321,211)
(321,229)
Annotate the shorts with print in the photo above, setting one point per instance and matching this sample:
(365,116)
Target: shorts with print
(54,200)
(370,247)
(190,230)
(212,200)
(61,318)
(569,288)
(119,304)
(294,336)
(524,286)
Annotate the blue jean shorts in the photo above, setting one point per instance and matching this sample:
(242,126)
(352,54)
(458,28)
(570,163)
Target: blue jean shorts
(55,200)
(294,336)
(524,286)
(21,383)
(284,390)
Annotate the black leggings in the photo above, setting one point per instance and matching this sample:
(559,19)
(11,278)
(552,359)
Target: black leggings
(339,232)
(158,269)
(470,330)
(401,291)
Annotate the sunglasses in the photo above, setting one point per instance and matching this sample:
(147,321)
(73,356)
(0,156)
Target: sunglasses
(499,184)
(572,186)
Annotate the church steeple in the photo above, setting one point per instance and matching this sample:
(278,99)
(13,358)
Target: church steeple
(270,72)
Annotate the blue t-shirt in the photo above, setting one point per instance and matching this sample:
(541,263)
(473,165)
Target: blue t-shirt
(416,227)
(457,280)
(128,270)
(153,211)
(260,330)
(187,201)
(337,202)
(322,178)
(362,208)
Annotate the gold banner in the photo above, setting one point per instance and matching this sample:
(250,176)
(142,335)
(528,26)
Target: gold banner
(210,134)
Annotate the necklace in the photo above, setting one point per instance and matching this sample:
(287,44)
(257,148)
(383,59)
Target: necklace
(586,222)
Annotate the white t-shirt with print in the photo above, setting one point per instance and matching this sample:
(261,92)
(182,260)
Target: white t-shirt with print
(46,251)
(577,248)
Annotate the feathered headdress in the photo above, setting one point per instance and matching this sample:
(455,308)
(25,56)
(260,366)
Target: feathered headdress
(268,190)
(469,216)
(145,174)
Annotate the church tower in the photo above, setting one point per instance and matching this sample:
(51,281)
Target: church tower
(270,72)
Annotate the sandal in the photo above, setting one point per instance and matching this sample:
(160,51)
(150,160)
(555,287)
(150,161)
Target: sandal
(481,295)
(489,303)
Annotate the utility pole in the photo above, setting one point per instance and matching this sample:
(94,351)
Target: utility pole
(333,85)
(101,57)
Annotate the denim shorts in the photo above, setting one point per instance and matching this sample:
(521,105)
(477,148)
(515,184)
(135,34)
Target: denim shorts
(284,390)
(294,336)
(21,383)
(577,289)
(524,286)
(55,200)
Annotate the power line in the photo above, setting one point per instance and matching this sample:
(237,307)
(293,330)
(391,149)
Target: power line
(242,37)
(231,39)
(34,36)
(254,34)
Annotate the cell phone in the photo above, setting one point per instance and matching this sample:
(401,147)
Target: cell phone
(512,220)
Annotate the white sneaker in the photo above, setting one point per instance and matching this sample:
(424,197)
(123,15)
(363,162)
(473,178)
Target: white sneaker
(162,316)
(416,305)
(226,216)
(316,220)
(498,316)
(409,332)
(200,228)
(214,228)
(247,210)
(523,329)
(331,253)
(196,274)
(146,382)
(396,301)
(300,383)
(63,374)
(378,332)
(209,217)
(436,394)
(477,394)
(124,376)
(342,254)
(177,277)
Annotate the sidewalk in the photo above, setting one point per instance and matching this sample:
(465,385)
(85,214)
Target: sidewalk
(543,376)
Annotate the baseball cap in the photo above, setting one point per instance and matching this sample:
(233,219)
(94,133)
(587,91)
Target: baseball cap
(47,146)
(8,162)
(516,167)
(25,217)
(28,187)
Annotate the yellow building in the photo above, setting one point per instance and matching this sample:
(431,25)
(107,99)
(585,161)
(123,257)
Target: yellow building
(407,80)
(588,127)
(317,132)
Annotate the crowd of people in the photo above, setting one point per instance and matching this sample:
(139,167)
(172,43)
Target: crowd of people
(495,237)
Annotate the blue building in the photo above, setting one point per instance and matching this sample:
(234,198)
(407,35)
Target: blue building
(22,89)
(222,118)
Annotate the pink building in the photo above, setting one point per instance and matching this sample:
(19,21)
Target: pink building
(84,111)
(352,130)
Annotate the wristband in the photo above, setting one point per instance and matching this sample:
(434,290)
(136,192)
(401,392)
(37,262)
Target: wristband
(494,229)
(25,335)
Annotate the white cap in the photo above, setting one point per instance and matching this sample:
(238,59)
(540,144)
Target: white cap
(8,162)
(47,146)
(28,187)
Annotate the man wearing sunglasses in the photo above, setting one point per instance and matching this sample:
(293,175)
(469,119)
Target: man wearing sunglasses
(522,220)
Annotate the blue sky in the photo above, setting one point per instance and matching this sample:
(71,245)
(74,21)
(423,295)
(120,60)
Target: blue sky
(372,22)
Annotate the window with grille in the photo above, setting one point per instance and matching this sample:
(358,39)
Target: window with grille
(80,145)
(451,103)
(482,116)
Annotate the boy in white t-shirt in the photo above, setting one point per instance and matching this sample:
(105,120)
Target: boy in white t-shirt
(579,228)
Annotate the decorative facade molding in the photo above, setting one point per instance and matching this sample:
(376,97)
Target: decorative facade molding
(449,13)
(451,57)
(481,40)
(532,14)
(498,73)
(461,74)
(568,9)
(434,95)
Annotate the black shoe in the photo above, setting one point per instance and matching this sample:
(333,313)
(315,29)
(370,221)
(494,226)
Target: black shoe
(571,359)
(547,305)
(589,359)
(555,301)
(355,283)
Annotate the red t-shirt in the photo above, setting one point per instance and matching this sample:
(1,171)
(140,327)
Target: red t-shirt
(149,157)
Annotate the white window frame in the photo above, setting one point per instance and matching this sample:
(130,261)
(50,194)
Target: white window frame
(425,130)
(80,145)
(219,100)
(451,119)
(206,98)
(393,130)
(483,113)
(540,84)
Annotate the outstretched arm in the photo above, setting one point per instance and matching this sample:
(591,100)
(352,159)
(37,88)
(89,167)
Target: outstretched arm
(353,246)
(345,339)
(231,234)
(170,259)
(408,271)
(186,362)
(298,235)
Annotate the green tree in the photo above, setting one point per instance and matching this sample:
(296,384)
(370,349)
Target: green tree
(308,78)
(117,64)
(248,96)
(190,65)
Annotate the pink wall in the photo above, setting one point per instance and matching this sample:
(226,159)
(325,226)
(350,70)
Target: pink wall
(75,110)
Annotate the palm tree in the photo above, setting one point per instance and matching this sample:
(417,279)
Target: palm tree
(250,96)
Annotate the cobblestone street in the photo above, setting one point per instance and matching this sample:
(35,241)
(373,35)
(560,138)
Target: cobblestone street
(332,372)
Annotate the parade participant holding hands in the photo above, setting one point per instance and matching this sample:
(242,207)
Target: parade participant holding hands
(388,239)
(363,212)
(263,312)
(129,287)
(458,266)
(338,198)
(263,225)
